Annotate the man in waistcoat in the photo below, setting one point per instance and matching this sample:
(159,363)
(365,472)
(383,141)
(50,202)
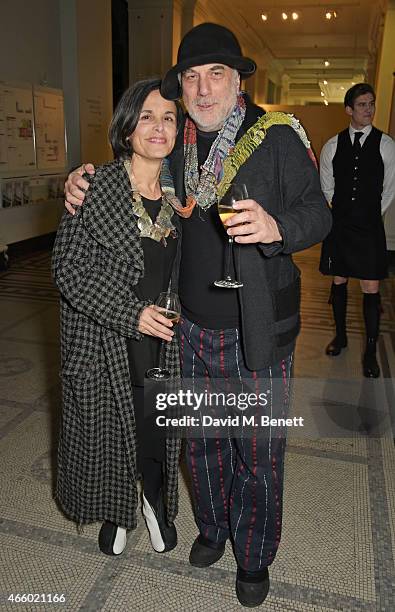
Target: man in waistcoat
(357,170)
(247,333)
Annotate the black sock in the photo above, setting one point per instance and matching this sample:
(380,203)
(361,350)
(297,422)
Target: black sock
(371,313)
(338,300)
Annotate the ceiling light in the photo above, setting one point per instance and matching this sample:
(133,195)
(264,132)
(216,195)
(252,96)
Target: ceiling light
(322,94)
(295,16)
(330,15)
(352,82)
(325,82)
(341,87)
(326,102)
(284,16)
(327,63)
(264,17)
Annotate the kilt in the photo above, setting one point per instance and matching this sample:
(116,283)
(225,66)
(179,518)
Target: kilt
(356,252)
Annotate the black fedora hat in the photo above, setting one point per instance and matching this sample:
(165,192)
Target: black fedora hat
(205,44)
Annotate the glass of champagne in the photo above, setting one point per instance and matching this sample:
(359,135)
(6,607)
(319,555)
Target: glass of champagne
(234,192)
(169,305)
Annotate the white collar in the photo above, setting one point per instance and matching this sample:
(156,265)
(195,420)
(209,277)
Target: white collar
(365,131)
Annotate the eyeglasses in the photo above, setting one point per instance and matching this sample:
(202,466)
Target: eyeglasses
(363,105)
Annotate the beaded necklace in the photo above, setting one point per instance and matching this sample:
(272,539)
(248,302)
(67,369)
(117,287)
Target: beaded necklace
(162,228)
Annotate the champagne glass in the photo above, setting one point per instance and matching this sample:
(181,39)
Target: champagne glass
(170,307)
(235,192)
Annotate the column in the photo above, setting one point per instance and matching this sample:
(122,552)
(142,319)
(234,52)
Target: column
(150,38)
(386,66)
(385,100)
(155,31)
(87,78)
(285,81)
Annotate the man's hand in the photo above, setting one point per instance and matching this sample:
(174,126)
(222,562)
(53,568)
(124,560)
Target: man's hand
(75,187)
(152,323)
(253,223)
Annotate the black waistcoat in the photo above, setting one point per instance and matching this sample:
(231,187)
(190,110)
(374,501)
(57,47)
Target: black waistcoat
(358,181)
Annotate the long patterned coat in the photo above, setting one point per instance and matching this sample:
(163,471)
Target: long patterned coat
(97,261)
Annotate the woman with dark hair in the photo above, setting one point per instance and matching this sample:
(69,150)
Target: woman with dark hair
(110,262)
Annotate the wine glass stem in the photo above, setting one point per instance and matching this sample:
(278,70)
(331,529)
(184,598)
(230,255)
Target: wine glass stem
(229,258)
(162,355)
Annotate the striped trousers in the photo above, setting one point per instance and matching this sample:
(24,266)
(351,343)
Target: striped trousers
(237,481)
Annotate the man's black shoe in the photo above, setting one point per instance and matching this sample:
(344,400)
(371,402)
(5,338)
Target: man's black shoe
(205,553)
(335,347)
(252,587)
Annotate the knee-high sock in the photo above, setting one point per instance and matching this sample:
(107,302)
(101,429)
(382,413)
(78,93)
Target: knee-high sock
(371,313)
(339,305)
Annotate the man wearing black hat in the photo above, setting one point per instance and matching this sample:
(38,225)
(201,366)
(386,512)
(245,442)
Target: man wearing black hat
(248,333)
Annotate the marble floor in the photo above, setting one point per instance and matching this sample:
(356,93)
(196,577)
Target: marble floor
(338,544)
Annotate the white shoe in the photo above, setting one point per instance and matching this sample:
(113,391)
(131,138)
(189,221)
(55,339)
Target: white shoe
(163,536)
(112,539)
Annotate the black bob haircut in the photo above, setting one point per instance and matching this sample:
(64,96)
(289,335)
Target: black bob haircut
(357,90)
(127,114)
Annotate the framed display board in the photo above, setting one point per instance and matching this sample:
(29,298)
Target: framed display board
(49,128)
(32,161)
(17,150)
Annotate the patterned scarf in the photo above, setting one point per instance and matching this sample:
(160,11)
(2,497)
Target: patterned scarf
(202,190)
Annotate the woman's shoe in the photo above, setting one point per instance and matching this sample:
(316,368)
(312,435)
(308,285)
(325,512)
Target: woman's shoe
(162,535)
(112,539)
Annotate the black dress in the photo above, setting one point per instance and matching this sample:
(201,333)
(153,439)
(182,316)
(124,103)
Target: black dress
(144,354)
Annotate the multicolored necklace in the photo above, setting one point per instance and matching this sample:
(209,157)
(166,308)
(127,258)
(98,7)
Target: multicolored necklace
(162,228)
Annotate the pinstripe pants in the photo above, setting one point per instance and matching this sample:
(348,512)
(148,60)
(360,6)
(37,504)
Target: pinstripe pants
(237,482)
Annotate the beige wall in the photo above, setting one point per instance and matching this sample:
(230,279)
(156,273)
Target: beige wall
(151,37)
(320,122)
(30,42)
(95,78)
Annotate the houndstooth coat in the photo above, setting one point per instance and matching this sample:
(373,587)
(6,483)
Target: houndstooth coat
(97,260)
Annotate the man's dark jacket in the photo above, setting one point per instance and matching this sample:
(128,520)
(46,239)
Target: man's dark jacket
(282,178)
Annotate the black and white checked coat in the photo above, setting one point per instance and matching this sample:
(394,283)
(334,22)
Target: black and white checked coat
(97,261)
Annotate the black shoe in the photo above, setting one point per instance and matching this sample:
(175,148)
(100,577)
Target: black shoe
(252,587)
(112,539)
(370,366)
(205,553)
(163,536)
(335,347)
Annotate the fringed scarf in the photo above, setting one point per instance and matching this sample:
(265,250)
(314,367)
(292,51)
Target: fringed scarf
(201,190)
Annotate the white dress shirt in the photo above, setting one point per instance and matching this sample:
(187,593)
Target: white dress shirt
(387,152)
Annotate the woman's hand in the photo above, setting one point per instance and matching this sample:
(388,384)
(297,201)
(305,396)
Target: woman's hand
(75,187)
(152,323)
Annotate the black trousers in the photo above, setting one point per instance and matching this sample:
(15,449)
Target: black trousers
(151,445)
(237,481)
